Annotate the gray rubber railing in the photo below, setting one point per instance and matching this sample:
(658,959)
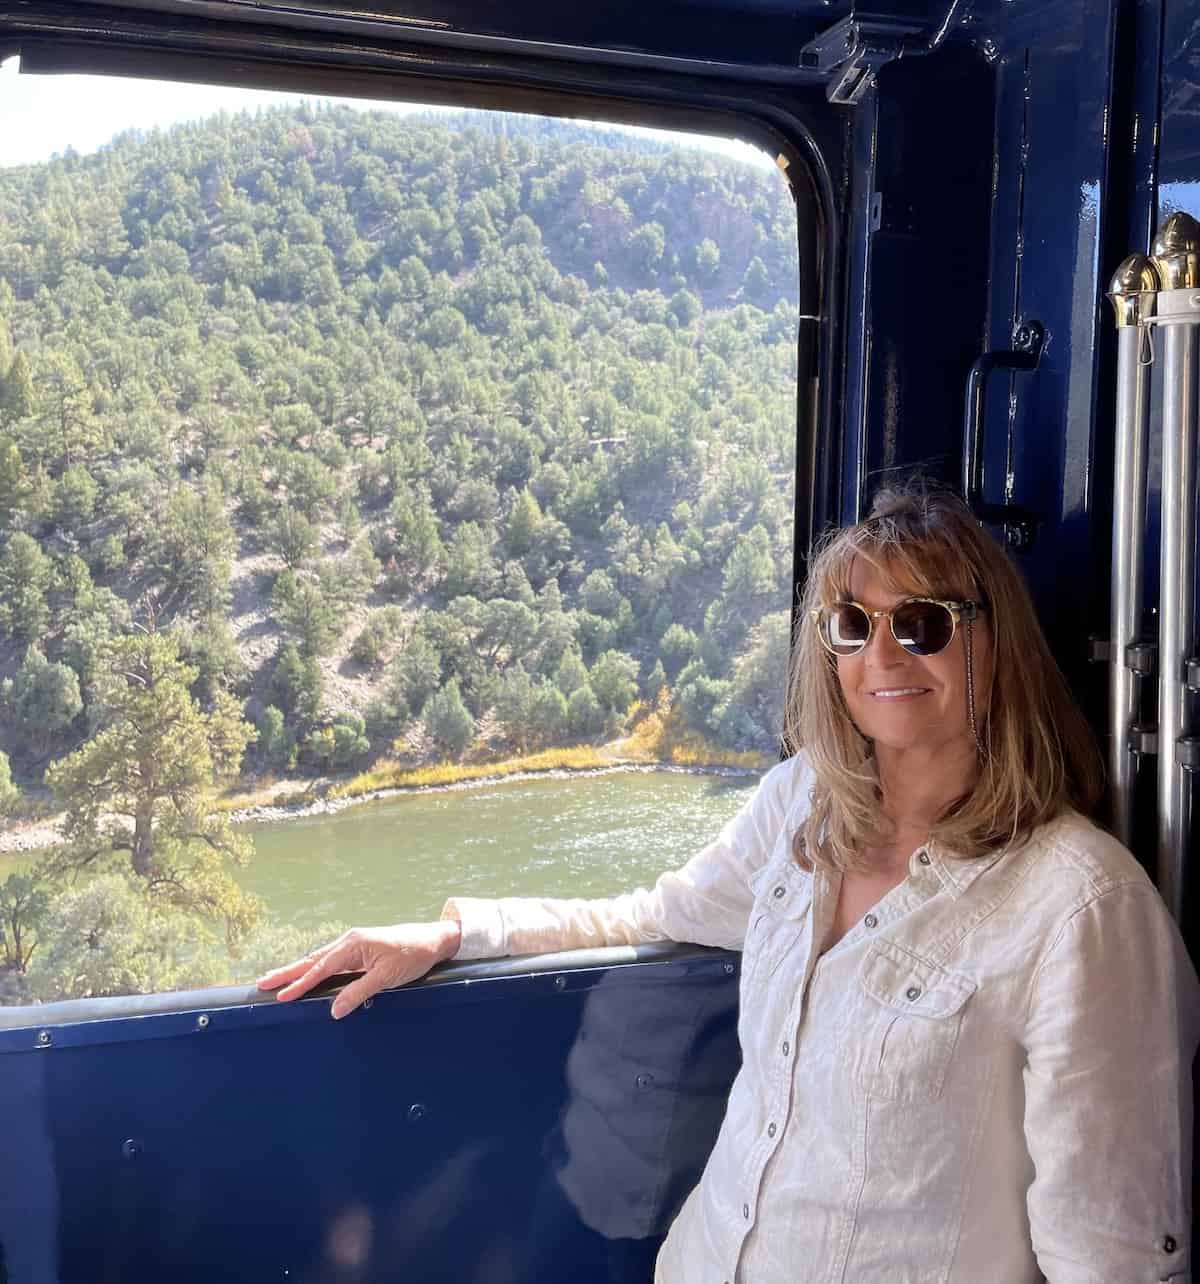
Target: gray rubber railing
(74,1011)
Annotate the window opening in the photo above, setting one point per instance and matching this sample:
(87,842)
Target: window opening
(343,449)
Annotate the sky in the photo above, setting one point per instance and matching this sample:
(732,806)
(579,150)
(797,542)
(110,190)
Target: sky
(44,115)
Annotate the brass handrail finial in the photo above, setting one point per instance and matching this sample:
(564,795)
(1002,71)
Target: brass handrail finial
(1132,289)
(1176,252)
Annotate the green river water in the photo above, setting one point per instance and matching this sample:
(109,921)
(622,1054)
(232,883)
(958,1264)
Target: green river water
(398,859)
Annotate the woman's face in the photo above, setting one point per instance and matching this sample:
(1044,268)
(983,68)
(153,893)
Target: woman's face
(903,701)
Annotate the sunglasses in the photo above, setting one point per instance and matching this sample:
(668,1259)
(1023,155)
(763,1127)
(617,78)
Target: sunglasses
(921,625)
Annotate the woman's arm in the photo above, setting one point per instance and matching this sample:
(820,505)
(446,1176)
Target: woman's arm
(1108,1090)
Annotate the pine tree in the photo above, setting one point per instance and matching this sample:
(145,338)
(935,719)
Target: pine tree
(142,786)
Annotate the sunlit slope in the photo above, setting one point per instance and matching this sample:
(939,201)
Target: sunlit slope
(454,435)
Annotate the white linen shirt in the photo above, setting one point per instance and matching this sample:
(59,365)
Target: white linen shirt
(987,1080)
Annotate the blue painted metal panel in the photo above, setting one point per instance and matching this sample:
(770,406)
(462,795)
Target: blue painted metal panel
(929,270)
(523,1129)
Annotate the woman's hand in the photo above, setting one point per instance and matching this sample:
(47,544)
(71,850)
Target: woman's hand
(388,956)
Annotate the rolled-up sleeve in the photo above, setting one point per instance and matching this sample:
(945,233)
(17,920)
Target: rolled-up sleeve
(1110,1038)
(706,902)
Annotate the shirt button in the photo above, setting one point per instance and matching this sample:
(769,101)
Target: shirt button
(923,857)
(871,921)
(746,1211)
(771,1130)
(787,1047)
(913,992)
(778,892)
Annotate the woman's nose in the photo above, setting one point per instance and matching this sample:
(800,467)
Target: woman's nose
(882,647)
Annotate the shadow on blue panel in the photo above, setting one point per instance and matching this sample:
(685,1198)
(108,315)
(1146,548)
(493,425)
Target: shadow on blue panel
(499,1132)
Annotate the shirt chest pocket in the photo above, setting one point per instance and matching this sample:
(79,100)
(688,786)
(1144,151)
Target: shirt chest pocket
(912,1015)
(779,923)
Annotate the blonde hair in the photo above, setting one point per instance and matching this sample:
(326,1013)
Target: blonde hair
(1038,757)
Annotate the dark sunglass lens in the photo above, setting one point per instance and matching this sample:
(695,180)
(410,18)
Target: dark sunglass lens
(847,628)
(924,628)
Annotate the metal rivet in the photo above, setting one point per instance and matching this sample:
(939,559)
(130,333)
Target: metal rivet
(913,992)
(1169,1245)
(871,921)
(44,1039)
(923,857)
(203,1020)
(779,891)
(416,1112)
(560,982)
(729,969)
(367,1003)
(771,1130)
(787,1047)
(131,1148)
(644,1080)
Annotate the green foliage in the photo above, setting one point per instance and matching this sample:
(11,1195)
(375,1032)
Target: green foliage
(373,639)
(613,679)
(292,536)
(676,647)
(24,900)
(341,742)
(449,721)
(275,742)
(210,648)
(585,717)
(415,674)
(25,577)
(471,569)
(307,612)
(107,937)
(141,787)
(192,549)
(541,390)
(10,795)
(18,399)
(295,686)
(45,698)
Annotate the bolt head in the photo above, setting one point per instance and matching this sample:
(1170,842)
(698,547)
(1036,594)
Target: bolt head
(202,1021)
(44,1039)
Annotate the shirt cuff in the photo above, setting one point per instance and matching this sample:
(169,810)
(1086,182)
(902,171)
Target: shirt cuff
(483,934)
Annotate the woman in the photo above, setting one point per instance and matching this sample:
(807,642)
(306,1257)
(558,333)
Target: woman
(967,1021)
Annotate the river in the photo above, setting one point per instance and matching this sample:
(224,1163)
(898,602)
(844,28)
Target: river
(398,859)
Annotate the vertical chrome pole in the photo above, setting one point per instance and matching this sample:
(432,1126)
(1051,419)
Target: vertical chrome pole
(1132,295)
(1177,258)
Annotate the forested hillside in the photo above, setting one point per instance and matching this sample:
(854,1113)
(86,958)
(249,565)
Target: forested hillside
(428,436)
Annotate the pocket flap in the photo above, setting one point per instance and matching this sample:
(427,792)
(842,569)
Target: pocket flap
(782,888)
(908,983)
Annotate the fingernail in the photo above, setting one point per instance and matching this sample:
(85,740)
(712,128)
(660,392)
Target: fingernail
(338,1011)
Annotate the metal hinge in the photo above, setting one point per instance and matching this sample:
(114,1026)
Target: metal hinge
(1143,740)
(853,50)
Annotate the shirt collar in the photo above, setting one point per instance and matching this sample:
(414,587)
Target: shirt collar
(957,873)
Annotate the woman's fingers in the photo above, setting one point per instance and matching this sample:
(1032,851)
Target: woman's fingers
(289,972)
(281,975)
(357,992)
(329,964)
